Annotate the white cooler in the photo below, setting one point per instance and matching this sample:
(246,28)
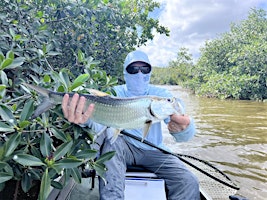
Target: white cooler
(143,185)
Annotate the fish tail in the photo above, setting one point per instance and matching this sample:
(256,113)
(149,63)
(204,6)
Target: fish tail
(46,103)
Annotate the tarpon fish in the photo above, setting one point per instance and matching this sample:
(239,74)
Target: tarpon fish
(119,113)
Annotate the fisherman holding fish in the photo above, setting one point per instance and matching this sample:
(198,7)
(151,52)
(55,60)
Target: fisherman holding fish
(180,182)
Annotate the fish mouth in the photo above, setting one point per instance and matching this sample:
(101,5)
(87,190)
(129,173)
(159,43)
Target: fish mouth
(151,112)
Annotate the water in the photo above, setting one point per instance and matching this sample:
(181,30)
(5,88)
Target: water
(232,135)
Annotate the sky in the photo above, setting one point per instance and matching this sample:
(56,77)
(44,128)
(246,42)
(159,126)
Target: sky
(192,23)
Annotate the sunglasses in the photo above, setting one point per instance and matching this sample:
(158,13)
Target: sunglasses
(133,69)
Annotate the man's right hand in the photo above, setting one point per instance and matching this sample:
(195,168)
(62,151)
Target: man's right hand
(74,110)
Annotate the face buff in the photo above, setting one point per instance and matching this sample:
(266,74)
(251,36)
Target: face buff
(137,84)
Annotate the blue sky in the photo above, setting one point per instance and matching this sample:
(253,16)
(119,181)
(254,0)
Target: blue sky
(192,23)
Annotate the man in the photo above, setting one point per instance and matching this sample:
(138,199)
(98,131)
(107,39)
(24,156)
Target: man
(180,183)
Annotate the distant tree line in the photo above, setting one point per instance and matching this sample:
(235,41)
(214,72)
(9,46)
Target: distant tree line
(232,66)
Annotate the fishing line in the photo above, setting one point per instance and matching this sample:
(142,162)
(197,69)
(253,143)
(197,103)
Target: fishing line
(162,164)
(180,156)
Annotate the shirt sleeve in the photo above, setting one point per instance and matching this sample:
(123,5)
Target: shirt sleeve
(186,134)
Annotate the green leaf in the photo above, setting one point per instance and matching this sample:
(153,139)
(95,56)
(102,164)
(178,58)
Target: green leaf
(12,144)
(17,37)
(44,48)
(27,110)
(57,185)
(6,113)
(6,63)
(35,152)
(79,81)
(2,87)
(105,157)
(45,145)
(35,173)
(43,27)
(75,85)
(59,134)
(2,57)
(10,54)
(100,169)
(24,124)
(27,160)
(17,62)
(45,186)
(4,166)
(40,14)
(62,150)
(11,31)
(76,174)
(53,53)
(68,163)
(61,89)
(105,1)
(86,154)
(64,78)
(26,182)
(40,52)
(4,78)
(80,56)
(5,177)
(6,128)
(47,79)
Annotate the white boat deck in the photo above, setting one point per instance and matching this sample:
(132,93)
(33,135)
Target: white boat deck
(147,185)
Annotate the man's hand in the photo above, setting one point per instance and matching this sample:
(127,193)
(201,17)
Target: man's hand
(178,123)
(73,109)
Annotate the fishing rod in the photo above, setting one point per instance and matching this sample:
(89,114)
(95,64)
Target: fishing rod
(180,156)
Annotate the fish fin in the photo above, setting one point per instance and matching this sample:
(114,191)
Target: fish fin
(46,103)
(146,129)
(115,136)
(180,108)
(97,92)
(44,106)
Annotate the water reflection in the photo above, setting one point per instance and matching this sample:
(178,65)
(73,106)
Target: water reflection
(230,134)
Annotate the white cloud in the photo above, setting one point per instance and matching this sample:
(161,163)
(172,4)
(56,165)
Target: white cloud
(192,22)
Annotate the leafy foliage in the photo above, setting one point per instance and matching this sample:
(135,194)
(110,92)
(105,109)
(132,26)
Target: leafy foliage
(59,45)
(234,65)
(44,148)
(53,32)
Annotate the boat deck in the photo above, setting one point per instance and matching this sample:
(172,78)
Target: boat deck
(83,191)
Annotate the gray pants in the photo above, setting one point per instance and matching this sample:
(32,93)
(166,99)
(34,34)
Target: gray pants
(180,183)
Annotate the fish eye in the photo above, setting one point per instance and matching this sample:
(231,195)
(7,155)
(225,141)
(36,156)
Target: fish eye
(171,100)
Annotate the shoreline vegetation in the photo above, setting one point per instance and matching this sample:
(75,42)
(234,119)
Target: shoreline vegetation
(232,66)
(170,76)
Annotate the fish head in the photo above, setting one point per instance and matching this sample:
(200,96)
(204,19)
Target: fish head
(161,108)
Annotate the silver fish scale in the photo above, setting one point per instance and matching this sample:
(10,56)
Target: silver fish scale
(121,113)
(125,114)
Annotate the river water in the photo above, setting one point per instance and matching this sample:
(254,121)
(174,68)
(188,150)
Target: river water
(231,135)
